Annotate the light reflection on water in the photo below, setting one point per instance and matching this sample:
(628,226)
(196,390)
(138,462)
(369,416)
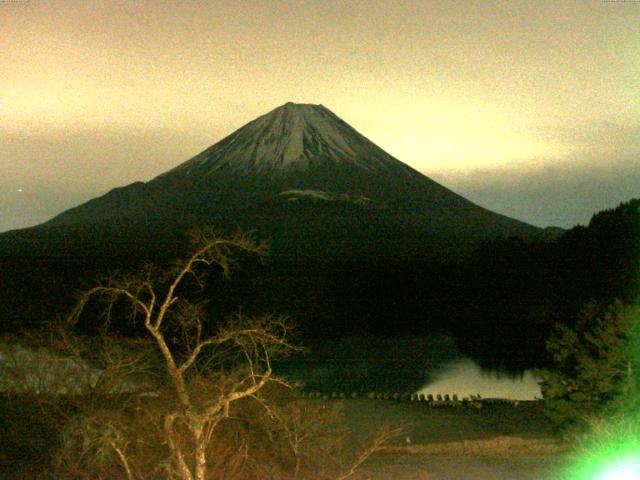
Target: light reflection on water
(464,378)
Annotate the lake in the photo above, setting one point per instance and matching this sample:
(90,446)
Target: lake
(464,378)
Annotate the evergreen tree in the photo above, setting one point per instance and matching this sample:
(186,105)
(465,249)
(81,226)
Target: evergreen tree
(594,367)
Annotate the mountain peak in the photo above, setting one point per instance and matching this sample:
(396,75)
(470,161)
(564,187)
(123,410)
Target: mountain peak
(304,178)
(301,105)
(292,106)
(293,136)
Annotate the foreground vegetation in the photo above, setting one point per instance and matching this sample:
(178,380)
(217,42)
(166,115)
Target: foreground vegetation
(499,430)
(595,367)
(172,392)
(187,398)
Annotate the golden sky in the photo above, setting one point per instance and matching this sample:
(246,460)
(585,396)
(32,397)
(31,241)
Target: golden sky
(530,108)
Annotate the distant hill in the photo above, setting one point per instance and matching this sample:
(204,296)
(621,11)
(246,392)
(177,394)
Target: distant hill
(520,290)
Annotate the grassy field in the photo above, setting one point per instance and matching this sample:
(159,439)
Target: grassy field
(426,424)
(492,442)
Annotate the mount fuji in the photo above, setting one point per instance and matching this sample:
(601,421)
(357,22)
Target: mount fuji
(298,176)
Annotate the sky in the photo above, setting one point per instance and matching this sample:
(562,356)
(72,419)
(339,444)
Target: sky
(528,108)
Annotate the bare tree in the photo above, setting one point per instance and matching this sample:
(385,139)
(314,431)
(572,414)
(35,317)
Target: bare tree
(201,421)
(254,340)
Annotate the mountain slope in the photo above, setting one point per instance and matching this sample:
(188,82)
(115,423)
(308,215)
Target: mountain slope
(299,176)
(293,136)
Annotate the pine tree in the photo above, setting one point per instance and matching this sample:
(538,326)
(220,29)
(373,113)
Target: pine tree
(594,367)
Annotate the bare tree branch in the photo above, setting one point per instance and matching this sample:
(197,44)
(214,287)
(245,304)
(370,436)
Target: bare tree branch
(205,373)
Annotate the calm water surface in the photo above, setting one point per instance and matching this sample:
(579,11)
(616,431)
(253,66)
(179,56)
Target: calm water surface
(464,378)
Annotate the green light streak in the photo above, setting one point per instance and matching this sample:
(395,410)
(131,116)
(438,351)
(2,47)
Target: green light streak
(612,461)
(627,469)
(613,450)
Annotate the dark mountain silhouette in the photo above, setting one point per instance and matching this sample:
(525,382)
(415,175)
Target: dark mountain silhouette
(363,246)
(522,289)
(298,176)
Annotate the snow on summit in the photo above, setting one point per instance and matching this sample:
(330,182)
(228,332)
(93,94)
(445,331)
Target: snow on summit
(292,136)
(296,167)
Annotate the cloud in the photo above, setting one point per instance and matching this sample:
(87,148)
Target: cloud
(603,136)
(562,194)
(599,169)
(34,204)
(57,170)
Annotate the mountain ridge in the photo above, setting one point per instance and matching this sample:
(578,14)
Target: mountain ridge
(290,136)
(241,183)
